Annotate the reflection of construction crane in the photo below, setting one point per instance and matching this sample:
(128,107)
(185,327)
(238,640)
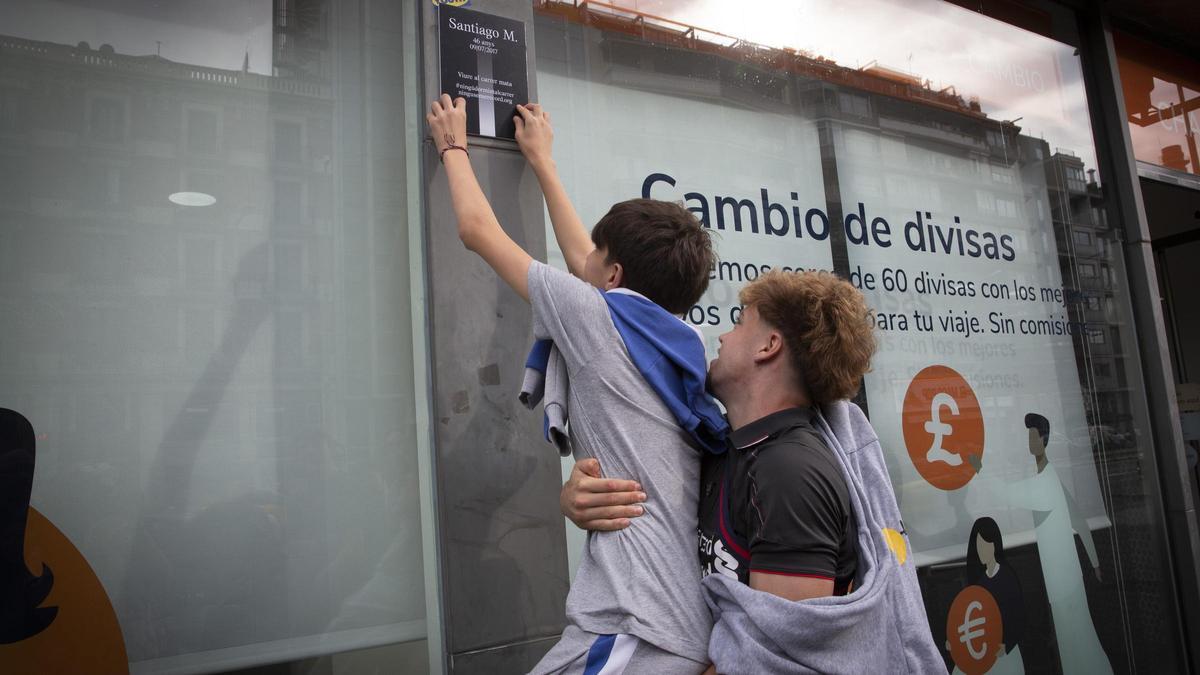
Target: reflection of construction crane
(656,29)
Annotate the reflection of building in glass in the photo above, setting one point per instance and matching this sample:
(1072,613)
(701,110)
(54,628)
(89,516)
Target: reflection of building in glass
(226,390)
(200,347)
(106,151)
(301,43)
(1084,245)
(160,355)
(1106,352)
(743,63)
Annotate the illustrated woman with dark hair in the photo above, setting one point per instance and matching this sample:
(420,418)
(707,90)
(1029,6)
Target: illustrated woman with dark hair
(987,567)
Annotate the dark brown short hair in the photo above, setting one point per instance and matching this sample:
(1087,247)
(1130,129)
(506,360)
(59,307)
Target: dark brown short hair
(827,328)
(665,252)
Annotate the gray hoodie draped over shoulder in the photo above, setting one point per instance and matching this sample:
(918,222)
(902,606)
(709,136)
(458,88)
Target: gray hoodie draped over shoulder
(880,627)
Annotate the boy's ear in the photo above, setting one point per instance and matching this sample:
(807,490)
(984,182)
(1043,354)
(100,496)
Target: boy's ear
(614,276)
(769,348)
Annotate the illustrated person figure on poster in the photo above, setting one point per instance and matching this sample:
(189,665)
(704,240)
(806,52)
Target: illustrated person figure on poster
(21,592)
(988,567)
(1056,517)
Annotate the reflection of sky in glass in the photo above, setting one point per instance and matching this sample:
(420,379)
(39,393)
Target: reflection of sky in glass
(1165,94)
(1164,141)
(1014,73)
(215,33)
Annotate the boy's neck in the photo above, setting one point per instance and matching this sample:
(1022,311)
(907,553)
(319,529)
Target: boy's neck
(754,401)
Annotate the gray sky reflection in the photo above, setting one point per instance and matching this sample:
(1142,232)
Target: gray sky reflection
(1014,73)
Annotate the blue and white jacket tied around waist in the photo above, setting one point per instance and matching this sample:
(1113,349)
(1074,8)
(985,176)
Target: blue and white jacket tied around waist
(669,354)
(880,627)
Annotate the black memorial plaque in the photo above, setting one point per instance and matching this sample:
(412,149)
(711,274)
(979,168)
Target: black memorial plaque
(483,61)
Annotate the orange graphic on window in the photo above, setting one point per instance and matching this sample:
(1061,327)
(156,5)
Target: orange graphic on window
(55,616)
(943,427)
(974,631)
(84,636)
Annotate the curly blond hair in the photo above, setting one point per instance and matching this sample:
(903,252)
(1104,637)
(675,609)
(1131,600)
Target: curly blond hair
(828,330)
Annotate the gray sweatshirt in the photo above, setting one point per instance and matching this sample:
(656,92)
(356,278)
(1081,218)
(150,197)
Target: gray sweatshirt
(644,580)
(880,627)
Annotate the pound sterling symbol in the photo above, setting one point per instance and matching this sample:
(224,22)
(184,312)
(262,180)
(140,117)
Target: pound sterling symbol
(940,430)
(970,629)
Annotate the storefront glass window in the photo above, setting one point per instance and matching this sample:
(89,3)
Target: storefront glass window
(1162,100)
(206,275)
(955,181)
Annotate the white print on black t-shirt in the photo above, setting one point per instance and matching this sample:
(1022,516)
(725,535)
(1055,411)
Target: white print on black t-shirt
(715,558)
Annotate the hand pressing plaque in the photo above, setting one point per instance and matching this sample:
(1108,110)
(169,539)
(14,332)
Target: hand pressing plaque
(483,61)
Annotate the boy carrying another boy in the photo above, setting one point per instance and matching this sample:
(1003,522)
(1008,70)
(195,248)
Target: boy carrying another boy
(636,400)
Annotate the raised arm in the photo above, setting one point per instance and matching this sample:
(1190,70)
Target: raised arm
(535,137)
(478,228)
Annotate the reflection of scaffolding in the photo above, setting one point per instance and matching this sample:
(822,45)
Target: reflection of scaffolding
(650,28)
(1153,114)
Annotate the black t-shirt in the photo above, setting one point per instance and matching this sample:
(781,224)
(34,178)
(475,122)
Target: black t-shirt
(777,502)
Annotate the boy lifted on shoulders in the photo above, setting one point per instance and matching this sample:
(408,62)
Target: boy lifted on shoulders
(637,403)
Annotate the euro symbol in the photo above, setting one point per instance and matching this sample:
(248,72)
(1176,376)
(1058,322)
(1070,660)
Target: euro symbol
(940,430)
(967,631)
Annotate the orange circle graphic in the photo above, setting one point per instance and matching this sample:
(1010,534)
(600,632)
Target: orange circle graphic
(84,636)
(974,630)
(943,427)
